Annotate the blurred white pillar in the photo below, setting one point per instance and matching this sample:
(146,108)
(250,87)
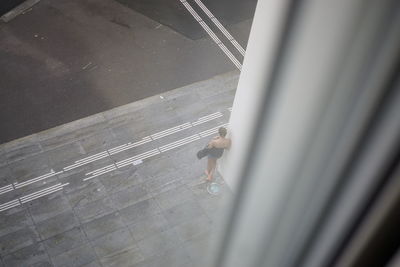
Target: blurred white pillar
(264,37)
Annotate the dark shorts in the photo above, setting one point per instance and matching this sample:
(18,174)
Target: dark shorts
(215,153)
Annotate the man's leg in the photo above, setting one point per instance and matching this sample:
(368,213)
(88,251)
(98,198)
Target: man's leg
(211,164)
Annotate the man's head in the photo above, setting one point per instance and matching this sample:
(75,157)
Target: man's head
(222,131)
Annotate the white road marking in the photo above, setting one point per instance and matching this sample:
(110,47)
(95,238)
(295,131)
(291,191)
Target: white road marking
(144,140)
(101,171)
(37,179)
(95,157)
(230,109)
(141,156)
(42,192)
(86,160)
(98,174)
(9,205)
(207,118)
(172,130)
(6,189)
(35,195)
(111,166)
(127,146)
(179,143)
(138,159)
(212,34)
(221,27)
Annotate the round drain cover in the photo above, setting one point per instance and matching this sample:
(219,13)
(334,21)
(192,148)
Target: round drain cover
(214,189)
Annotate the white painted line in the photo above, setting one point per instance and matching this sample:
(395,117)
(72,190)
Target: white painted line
(172,130)
(9,205)
(230,109)
(101,169)
(6,189)
(141,156)
(212,115)
(37,179)
(127,163)
(179,143)
(43,192)
(207,118)
(211,34)
(41,195)
(230,56)
(144,140)
(119,149)
(191,10)
(141,159)
(95,156)
(220,27)
(113,168)
(85,161)
(99,173)
(138,159)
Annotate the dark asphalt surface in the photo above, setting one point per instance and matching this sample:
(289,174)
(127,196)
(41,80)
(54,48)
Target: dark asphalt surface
(68,59)
(174,15)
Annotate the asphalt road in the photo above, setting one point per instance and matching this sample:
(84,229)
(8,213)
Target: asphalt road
(67,59)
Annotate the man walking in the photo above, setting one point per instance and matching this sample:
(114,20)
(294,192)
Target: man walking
(216,148)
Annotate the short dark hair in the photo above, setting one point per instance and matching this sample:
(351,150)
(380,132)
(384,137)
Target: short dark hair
(222,131)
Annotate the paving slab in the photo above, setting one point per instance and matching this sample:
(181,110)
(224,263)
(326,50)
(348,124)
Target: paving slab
(22,150)
(48,207)
(65,241)
(78,256)
(114,243)
(100,141)
(65,155)
(92,264)
(139,210)
(130,196)
(66,134)
(183,212)
(164,182)
(175,257)
(6,176)
(121,179)
(57,225)
(10,223)
(33,255)
(94,209)
(19,239)
(159,243)
(160,165)
(148,226)
(29,168)
(198,249)
(174,197)
(125,258)
(103,225)
(191,229)
(87,192)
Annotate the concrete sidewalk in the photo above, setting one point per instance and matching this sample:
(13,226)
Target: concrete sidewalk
(120,188)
